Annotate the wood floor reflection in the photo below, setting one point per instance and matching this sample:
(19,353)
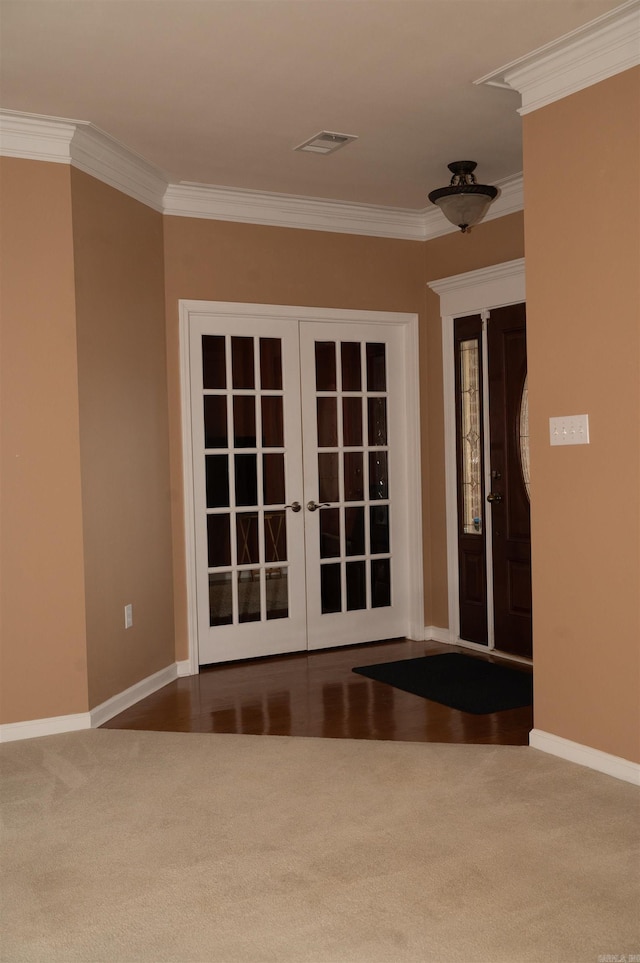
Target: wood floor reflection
(317,694)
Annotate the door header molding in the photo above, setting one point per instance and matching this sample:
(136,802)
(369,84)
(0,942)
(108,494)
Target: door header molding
(475,291)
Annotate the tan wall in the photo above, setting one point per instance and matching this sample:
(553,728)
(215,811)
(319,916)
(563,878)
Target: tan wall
(221,261)
(491,243)
(213,260)
(123,436)
(582,157)
(44,671)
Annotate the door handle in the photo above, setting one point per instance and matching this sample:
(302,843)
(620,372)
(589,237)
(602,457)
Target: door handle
(494,497)
(294,506)
(314,506)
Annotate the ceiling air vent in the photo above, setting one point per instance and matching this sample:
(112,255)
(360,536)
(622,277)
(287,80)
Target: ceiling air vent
(326,142)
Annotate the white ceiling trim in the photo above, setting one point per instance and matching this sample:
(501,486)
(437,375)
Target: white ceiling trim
(287,210)
(604,47)
(93,151)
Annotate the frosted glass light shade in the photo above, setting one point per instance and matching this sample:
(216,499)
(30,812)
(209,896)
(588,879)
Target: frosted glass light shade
(464,202)
(464,210)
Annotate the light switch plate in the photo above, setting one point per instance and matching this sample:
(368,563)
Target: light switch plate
(569,430)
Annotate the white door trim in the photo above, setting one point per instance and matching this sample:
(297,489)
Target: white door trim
(460,295)
(188,310)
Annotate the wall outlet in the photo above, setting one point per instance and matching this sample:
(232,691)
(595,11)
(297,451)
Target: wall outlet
(128,616)
(569,430)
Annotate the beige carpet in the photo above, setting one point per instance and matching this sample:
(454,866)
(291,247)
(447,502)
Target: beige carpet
(142,846)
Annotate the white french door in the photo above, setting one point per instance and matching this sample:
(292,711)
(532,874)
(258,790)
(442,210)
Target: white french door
(301,489)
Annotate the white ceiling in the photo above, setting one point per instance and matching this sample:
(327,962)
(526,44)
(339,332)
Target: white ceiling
(220,91)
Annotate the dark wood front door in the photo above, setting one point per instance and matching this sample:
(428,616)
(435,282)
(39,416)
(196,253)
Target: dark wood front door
(509,496)
(493,499)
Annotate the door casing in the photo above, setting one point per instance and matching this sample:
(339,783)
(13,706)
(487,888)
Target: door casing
(475,292)
(188,310)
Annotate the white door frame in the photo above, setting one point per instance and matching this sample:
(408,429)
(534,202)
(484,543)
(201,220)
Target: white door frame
(188,310)
(475,292)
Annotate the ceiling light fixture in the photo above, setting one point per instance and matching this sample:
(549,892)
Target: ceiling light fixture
(464,202)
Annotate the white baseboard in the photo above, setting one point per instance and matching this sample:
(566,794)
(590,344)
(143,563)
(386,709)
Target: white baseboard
(433,634)
(32,728)
(184,668)
(124,700)
(585,756)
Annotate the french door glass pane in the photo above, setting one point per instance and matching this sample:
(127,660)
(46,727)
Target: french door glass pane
(277,593)
(215,421)
(330,533)
(352,421)
(326,366)
(376,368)
(248,597)
(247,537)
(275,536)
(351,367)
(356,586)
(273,479)
(220,598)
(377,421)
(380,583)
(242,363)
(244,421)
(353,478)
(270,364)
(218,540)
(330,589)
(217,480)
(328,477)
(379,522)
(214,368)
(378,475)
(272,422)
(327,422)
(246,480)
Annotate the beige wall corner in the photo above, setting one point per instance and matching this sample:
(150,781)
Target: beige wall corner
(582,230)
(44,671)
(124,442)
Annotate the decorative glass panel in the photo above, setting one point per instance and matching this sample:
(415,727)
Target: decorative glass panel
(353,478)
(351,366)
(380,583)
(523,437)
(379,519)
(354,531)
(325,366)
(330,533)
(376,368)
(270,364)
(471,438)
(215,421)
(377,421)
(214,371)
(220,598)
(356,586)
(217,480)
(352,421)
(242,363)
(273,479)
(330,589)
(275,536)
(246,480)
(272,422)
(218,541)
(244,421)
(247,538)
(277,586)
(378,475)
(248,597)
(327,422)
(328,477)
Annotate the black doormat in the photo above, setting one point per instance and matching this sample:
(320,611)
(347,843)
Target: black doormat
(458,681)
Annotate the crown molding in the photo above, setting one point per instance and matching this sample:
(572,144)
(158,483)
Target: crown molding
(602,48)
(33,137)
(91,150)
(288,210)
(85,147)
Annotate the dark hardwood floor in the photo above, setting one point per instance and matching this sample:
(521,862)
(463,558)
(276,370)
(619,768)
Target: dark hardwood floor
(317,694)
